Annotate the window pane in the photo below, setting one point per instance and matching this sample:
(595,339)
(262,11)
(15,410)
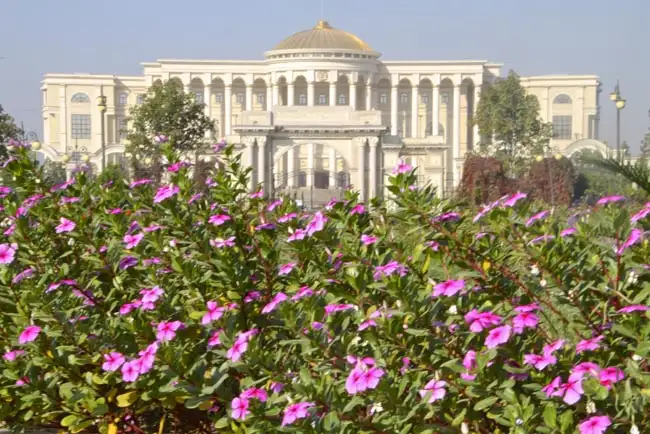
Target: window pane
(562,127)
(80,98)
(260,98)
(302,99)
(198,97)
(383,98)
(404,98)
(562,99)
(80,126)
(322,99)
(123,99)
(140,99)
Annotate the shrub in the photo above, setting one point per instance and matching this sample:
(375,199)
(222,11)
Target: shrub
(134,308)
(550,180)
(484,180)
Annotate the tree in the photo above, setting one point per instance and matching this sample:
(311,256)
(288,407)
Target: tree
(510,116)
(168,111)
(8,130)
(645,146)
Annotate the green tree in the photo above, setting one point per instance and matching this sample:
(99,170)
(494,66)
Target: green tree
(645,146)
(509,124)
(168,111)
(8,130)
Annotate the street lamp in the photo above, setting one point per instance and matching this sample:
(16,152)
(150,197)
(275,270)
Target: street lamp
(620,105)
(101,103)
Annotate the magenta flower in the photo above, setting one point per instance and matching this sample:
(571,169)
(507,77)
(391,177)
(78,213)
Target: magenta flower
(640,215)
(287,217)
(609,199)
(316,224)
(128,262)
(273,205)
(363,377)
(367,240)
(10,356)
(448,288)
(481,320)
(286,268)
(65,225)
(512,200)
(634,308)
(239,408)
(132,240)
(254,392)
(298,234)
(589,344)
(139,182)
(402,167)
(552,388)
(215,312)
(524,320)
(540,362)
(534,218)
(237,350)
(25,274)
(567,232)
(296,411)
(215,339)
(29,334)
(273,304)
(130,371)
(152,228)
(7,253)
(586,368)
(571,391)
(595,425)
(220,243)
(498,336)
(436,389)
(389,269)
(165,192)
(632,239)
(332,308)
(166,330)
(553,347)
(219,219)
(113,361)
(303,292)
(358,209)
(257,194)
(609,376)
(151,295)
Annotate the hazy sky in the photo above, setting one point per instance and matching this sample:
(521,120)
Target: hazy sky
(608,38)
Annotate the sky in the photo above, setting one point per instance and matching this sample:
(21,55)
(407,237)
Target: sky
(607,38)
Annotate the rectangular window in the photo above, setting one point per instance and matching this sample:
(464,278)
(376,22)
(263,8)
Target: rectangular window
(260,98)
(424,99)
(124,98)
(403,97)
(383,98)
(140,99)
(562,127)
(80,126)
(322,99)
(198,97)
(240,98)
(445,98)
(218,98)
(123,126)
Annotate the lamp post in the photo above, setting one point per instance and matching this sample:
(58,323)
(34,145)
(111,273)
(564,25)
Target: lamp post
(101,103)
(620,105)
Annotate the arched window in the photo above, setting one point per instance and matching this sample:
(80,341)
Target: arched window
(198,96)
(124,99)
(80,98)
(342,100)
(302,99)
(322,99)
(404,97)
(562,99)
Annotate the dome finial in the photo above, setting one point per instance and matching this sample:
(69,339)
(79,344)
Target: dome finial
(322,24)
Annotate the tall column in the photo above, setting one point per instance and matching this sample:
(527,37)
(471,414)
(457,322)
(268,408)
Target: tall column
(393,111)
(435,113)
(250,149)
(249,97)
(276,94)
(368,97)
(96,121)
(228,115)
(63,118)
(414,111)
(353,96)
(207,100)
(477,96)
(310,165)
(332,167)
(310,94)
(290,97)
(456,134)
(261,163)
(372,187)
(332,94)
(362,169)
(269,98)
(291,170)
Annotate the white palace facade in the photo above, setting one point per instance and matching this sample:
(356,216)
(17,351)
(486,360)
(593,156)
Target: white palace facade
(320,113)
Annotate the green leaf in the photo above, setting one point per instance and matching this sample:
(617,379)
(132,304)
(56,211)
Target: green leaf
(485,403)
(566,421)
(550,416)
(69,420)
(221,423)
(331,421)
(126,399)
(352,404)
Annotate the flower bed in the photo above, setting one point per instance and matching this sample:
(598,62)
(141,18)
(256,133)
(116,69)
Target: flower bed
(142,308)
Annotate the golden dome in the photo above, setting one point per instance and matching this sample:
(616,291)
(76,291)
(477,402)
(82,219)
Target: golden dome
(323,37)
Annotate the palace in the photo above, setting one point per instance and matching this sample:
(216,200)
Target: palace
(321,113)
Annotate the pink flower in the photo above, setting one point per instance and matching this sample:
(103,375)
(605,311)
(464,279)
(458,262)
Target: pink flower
(130,371)
(286,268)
(113,361)
(586,368)
(553,347)
(214,313)
(571,391)
(640,215)
(132,240)
(10,356)
(273,205)
(65,225)
(215,339)
(469,361)
(402,167)
(632,239)
(273,304)
(552,388)
(332,308)
(7,253)
(609,199)
(167,330)
(524,320)
(151,295)
(219,219)
(389,269)
(367,240)
(436,389)
(534,218)
(568,231)
(609,376)
(481,320)
(595,425)
(316,224)
(276,387)
(285,218)
(512,200)
(368,323)
(165,192)
(296,411)
(448,288)
(540,362)
(240,408)
(634,308)
(303,292)
(29,334)
(358,209)
(238,349)
(589,344)
(221,243)
(254,392)
(363,377)
(498,336)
